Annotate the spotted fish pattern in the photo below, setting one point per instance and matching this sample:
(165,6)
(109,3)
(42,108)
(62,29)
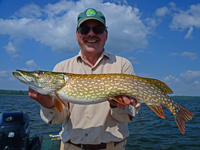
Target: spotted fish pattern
(95,88)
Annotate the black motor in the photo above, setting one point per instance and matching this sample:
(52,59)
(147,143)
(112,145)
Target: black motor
(14,131)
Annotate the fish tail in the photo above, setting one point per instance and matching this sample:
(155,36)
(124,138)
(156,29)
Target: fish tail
(181,116)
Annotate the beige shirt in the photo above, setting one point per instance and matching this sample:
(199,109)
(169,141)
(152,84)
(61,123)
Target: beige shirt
(96,123)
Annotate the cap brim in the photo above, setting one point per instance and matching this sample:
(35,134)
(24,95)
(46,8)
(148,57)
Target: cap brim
(90,19)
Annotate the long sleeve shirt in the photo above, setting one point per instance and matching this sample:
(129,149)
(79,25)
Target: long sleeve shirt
(95,123)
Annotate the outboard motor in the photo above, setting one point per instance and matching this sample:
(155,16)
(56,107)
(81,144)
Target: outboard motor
(14,131)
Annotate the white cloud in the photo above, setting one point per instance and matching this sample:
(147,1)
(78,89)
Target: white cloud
(170,78)
(139,51)
(172,4)
(3,73)
(190,75)
(189,34)
(31,64)
(162,11)
(133,60)
(186,19)
(29,11)
(12,50)
(120,2)
(189,54)
(55,26)
(192,56)
(12,79)
(152,23)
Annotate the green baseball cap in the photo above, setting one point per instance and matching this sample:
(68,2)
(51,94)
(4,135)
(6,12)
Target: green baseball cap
(91,13)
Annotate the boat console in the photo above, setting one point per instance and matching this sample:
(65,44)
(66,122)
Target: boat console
(14,131)
(15,134)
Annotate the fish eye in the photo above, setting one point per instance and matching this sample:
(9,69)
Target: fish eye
(40,72)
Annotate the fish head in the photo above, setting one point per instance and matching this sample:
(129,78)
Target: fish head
(41,81)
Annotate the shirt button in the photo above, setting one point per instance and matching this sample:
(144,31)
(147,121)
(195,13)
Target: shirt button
(87,117)
(51,112)
(86,134)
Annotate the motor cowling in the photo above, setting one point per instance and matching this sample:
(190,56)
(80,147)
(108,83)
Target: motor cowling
(14,131)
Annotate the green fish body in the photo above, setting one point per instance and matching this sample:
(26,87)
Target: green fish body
(96,88)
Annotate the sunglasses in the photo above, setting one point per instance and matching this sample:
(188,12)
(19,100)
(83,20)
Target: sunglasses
(85,30)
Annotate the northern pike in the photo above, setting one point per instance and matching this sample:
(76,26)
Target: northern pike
(96,88)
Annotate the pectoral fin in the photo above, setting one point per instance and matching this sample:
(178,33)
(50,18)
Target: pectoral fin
(58,103)
(158,110)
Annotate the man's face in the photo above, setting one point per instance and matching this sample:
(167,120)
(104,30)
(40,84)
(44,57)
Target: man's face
(91,43)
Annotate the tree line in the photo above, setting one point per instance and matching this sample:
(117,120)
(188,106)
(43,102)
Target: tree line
(13,92)
(20,92)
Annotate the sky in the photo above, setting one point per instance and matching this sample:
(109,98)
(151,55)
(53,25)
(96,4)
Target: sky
(160,38)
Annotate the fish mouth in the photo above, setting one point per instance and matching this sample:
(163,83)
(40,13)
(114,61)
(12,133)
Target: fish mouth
(28,78)
(21,75)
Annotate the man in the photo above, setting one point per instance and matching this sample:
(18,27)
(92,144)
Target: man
(97,126)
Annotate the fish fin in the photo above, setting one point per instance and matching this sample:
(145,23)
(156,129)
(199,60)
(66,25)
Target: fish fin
(182,116)
(58,105)
(159,84)
(60,101)
(119,100)
(158,110)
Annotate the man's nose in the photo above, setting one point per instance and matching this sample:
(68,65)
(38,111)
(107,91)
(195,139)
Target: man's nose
(91,32)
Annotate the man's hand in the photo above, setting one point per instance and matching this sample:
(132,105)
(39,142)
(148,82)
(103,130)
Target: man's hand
(45,100)
(127,100)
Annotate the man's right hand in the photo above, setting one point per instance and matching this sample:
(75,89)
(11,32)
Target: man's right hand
(44,100)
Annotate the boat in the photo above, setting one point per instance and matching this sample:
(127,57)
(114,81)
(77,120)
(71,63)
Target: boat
(15,134)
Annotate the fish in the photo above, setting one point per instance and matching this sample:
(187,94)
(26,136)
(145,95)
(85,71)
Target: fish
(88,89)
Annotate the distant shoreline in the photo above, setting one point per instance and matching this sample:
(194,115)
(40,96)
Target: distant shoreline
(13,92)
(21,92)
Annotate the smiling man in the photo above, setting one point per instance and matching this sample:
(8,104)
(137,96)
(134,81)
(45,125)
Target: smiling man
(97,126)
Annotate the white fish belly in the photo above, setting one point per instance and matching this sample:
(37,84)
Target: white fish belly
(79,99)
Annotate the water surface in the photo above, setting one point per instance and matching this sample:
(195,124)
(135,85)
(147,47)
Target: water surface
(147,130)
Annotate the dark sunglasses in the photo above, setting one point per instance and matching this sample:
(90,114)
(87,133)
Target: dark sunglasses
(96,30)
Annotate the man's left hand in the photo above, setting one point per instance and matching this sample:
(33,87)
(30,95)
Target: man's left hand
(127,100)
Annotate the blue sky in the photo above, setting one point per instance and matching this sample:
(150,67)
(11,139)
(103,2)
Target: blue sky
(160,38)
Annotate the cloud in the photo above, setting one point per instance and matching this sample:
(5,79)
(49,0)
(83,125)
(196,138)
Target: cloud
(133,60)
(54,25)
(172,4)
(152,23)
(31,64)
(190,75)
(29,11)
(170,78)
(12,50)
(192,56)
(162,11)
(189,54)
(120,2)
(3,73)
(189,34)
(186,19)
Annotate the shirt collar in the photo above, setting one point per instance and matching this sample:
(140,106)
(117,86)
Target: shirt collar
(79,57)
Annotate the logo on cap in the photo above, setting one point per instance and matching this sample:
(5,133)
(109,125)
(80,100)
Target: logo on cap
(90,12)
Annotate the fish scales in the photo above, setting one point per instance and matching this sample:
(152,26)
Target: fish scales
(96,88)
(105,85)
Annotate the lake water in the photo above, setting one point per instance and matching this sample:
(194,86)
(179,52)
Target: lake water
(147,130)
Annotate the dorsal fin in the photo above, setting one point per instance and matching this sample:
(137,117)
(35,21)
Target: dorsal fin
(159,84)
